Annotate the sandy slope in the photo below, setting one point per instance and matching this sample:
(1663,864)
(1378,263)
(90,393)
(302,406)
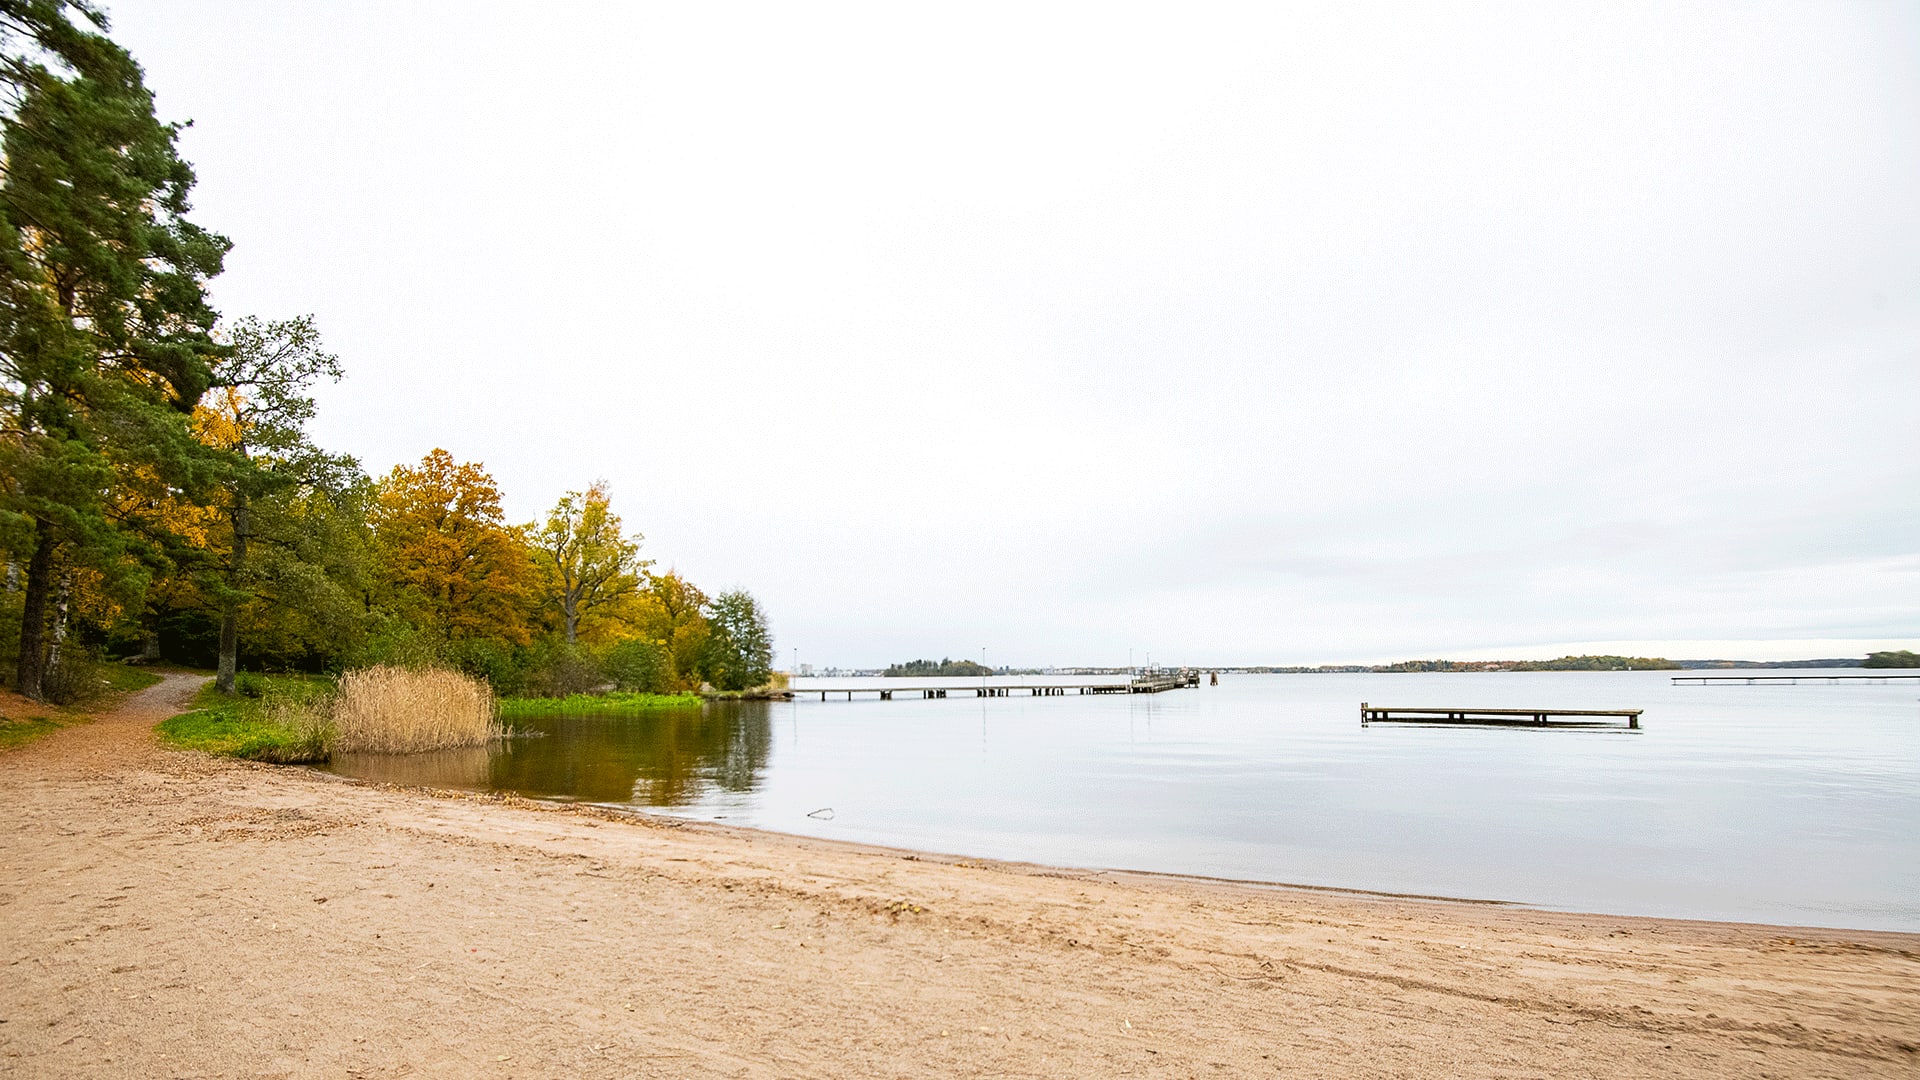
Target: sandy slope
(168,914)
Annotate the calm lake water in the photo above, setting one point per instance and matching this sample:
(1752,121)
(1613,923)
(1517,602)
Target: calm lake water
(1783,804)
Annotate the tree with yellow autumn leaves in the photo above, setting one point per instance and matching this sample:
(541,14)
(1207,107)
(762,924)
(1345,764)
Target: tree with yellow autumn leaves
(447,560)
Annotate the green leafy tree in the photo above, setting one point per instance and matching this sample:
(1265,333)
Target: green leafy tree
(584,557)
(1895,658)
(255,420)
(673,612)
(739,652)
(104,321)
(307,575)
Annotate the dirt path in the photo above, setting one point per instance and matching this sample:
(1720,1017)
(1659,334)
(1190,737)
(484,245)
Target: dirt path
(170,914)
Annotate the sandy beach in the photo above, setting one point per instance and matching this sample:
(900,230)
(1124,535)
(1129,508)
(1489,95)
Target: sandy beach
(169,914)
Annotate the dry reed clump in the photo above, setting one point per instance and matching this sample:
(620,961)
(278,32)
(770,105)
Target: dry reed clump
(395,710)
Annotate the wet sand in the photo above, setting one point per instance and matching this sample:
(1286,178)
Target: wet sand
(172,914)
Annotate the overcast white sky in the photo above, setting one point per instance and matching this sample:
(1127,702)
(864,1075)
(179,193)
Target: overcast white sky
(1262,333)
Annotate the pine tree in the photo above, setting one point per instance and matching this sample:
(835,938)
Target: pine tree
(104,321)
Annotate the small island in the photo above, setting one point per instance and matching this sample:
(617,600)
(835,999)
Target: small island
(928,669)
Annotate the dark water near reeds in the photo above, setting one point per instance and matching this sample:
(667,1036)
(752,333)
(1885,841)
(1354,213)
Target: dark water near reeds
(1788,804)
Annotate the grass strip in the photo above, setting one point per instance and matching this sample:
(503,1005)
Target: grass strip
(119,680)
(272,727)
(614,704)
(21,732)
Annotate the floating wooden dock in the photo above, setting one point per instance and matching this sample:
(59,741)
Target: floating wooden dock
(1150,683)
(1780,680)
(1566,718)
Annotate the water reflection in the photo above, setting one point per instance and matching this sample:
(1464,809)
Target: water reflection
(467,767)
(660,759)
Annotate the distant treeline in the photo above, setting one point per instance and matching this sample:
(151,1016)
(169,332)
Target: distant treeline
(1598,663)
(944,669)
(1564,663)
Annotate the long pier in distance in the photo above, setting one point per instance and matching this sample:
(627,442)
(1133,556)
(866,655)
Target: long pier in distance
(1152,682)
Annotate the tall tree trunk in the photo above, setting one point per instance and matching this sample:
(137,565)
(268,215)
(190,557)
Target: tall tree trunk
(61,605)
(223,677)
(149,645)
(570,612)
(30,674)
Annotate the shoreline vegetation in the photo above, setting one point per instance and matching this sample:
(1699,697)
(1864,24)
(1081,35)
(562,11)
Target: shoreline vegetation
(276,723)
(614,703)
(306,719)
(297,720)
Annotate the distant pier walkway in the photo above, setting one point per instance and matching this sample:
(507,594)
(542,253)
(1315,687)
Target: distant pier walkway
(1150,683)
(1782,680)
(1568,718)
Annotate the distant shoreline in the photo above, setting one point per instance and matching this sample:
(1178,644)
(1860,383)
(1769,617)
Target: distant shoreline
(1401,667)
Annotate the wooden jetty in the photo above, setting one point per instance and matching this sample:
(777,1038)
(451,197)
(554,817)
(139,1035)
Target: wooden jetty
(1152,682)
(1535,718)
(1781,680)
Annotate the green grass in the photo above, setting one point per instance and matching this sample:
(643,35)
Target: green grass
(275,726)
(117,681)
(21,732)
(614,704)
(124,679)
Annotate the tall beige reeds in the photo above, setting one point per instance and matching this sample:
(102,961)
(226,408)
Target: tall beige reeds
(395,710)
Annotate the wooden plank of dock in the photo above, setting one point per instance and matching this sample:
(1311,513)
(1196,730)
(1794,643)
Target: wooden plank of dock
(1581,718)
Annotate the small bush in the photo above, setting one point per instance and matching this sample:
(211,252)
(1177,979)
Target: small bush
(394,710)
(77,679)
(638,666)
(557,669)
(247,684)
(499,663)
